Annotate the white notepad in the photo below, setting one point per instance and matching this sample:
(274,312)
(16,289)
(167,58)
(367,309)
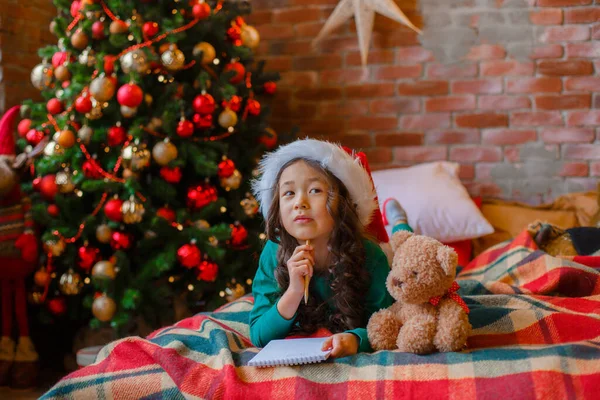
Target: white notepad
(290,352)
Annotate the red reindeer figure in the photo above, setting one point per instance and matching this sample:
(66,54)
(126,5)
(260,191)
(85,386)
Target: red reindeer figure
(18,256)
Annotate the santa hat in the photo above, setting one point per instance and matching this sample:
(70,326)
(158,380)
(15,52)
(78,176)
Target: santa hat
(348,167)
(7,138)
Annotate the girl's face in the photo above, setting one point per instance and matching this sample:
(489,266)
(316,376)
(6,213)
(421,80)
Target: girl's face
(303,195)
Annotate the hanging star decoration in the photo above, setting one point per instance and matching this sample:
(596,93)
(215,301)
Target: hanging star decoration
(364,15)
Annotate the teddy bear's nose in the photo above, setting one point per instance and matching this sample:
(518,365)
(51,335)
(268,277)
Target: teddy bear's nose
(397,282)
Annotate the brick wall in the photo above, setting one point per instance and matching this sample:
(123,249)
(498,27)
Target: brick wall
(23,30)
(508,88)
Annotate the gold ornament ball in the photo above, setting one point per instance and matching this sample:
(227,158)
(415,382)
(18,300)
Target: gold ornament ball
(79,40)
(250,205)
(128,112)
(228,118)
(234,292)
(207,50)
(64,182)
(129,174)
(70,283)
(133,211)
(85,134)
(41,277)
(103,233)
(36,297)
(136,157)
(66,139)
(202,224)
(96,112)
(233,181)
(87,57)
(102,88)
(104,269)
(134,61)
(148,99)
(54,246)
(118,26)
(154,124)
(51,148)
(164,152)
(104,308)
(250,37)
(52,27)
(62,73)
(173,59)
(41,76)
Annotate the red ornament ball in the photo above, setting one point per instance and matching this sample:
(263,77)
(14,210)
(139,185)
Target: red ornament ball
(98,30)
(112,210)
(253,107)
(171,175)
(57,306)
(24,127)
(59,58)
(166,213)
(91,169)
(203,121)
(87,257)
(189,255)
(201,195)
(239,234)
(270,87)
(75,7)
(225,169)
(130,95)
(269,139)
(35,184)
(234,104)
(201,11)
(116,135)
(234,33)
(65,84)
(53,210)
(121,240)
(83,104)
(208,271)
(54,106)
(185,128)
(239,69)
(33,137)
(204,104)
(48,187)
(150,29)
(109,64)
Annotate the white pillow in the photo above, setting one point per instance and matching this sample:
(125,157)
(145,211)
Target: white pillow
(436,202)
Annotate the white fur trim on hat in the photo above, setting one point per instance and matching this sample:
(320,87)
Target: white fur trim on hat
(331,157)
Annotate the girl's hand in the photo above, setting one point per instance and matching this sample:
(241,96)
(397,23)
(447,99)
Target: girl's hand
(341,344)
(299,265)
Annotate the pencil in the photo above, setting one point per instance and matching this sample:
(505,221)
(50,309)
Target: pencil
(306,281)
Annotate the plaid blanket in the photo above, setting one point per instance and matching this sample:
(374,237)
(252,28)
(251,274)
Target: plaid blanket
(536,334)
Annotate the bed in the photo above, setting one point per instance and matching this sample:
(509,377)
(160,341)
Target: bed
(536,334)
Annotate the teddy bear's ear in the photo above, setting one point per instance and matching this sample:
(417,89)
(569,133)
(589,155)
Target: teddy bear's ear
(448,259)
(399,238)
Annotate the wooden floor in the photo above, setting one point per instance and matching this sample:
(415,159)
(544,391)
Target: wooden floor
(8,393)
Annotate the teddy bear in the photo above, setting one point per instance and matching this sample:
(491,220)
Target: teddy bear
(428,315)
(18,257)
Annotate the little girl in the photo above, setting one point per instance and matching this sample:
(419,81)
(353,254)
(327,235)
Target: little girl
(314,191)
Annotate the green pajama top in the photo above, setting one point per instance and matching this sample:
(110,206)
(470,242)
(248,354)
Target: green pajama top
(267,324)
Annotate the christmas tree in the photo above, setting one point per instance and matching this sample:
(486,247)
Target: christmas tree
(142,156)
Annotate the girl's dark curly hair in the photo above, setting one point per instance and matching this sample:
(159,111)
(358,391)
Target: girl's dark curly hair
(349,280)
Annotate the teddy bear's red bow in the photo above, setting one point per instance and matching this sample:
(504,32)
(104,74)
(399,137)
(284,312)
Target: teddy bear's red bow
(435,300)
